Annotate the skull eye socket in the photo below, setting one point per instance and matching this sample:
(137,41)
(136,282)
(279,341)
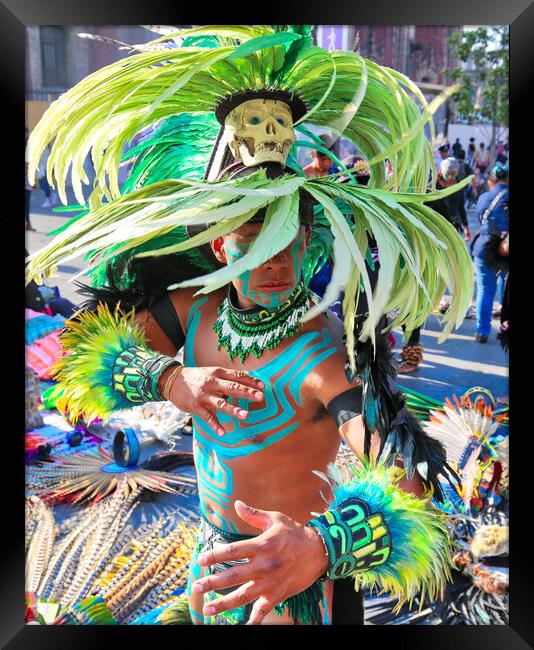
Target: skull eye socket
(254,119)
(281,121)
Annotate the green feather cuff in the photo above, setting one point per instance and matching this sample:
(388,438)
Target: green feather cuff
(383,537)
(98,372)
(136,374)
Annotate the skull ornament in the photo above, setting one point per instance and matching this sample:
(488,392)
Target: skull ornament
(260,130)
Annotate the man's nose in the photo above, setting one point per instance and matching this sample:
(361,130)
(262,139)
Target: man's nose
(280,258)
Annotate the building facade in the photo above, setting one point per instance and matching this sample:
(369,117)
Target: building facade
(58,57)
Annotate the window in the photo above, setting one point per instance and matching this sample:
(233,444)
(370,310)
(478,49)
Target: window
(53,56)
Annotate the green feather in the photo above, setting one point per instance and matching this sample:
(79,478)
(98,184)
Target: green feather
(105,110)
(91,344)
(420,560)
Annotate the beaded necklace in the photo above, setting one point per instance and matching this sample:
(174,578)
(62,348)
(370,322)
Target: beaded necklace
(251,331)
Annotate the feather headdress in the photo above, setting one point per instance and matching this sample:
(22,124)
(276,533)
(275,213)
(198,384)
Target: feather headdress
(378,109)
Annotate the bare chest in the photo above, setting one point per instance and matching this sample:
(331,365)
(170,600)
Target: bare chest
(268,458)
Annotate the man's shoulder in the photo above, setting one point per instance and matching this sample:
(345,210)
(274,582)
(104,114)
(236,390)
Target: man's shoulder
(186,300)
(330,328)
(328,378)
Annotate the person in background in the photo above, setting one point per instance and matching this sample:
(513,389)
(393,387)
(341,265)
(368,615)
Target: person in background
(321,162)
(504,330)
(28,189)
(464,170)
(352,161)
(480,183)
(472,153)
(501,157)
(451,207)
(492,212)
(443,154)
(483,158)
(456,147)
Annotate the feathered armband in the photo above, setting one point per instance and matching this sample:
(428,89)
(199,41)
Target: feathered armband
(107,365)
(384,537)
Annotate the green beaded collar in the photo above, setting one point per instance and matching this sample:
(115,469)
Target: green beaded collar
(251,331)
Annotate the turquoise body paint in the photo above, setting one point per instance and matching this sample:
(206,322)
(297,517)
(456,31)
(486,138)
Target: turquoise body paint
(283,377)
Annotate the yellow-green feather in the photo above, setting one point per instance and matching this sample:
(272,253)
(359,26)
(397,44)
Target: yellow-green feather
(420,560)
(91,343)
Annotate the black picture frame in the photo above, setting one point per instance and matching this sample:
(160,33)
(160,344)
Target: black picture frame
(15,15)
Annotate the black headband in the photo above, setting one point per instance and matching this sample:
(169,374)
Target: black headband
(297,106)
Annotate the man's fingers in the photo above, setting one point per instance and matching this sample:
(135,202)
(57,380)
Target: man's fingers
(237,598)
(231,577)
(241,377)
(221,404)
(238,389)
(243,550)
(209,419)
(260,609)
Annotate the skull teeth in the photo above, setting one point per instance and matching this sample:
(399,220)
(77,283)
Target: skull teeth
(250,145)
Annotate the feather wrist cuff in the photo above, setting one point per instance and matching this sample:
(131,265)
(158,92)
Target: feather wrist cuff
(383,537)
(354,539)
(107,365)
(136,374)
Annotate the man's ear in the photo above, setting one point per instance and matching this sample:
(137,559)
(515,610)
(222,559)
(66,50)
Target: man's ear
(217,246)
(308,235)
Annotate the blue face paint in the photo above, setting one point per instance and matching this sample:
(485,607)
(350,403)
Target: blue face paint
(269,299)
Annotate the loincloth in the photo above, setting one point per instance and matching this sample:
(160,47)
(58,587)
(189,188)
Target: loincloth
(303,607)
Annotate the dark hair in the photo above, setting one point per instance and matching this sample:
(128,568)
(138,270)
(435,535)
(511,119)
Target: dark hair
(461,154)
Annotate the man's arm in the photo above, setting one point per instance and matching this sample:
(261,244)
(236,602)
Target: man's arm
(343,401)
(116,360)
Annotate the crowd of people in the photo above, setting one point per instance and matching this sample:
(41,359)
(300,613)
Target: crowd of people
(487,193)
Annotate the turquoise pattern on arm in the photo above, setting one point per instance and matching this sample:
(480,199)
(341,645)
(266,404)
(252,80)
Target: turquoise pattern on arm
(191,326)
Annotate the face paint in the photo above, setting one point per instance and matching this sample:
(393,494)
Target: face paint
(268,299)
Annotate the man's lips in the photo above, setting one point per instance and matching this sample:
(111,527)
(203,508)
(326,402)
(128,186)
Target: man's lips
(274,285)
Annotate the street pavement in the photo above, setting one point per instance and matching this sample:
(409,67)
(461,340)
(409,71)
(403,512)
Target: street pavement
(448,368)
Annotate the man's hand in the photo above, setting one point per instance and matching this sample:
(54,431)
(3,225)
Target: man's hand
(283,561)
(201,391)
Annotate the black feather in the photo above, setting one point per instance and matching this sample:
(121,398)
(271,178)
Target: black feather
(138,283)
(384,410)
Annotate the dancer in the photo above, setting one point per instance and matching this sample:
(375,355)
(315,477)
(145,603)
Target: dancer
(274,385)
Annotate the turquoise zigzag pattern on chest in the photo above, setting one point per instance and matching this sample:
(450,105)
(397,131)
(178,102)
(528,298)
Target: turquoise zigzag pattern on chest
(282,396)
